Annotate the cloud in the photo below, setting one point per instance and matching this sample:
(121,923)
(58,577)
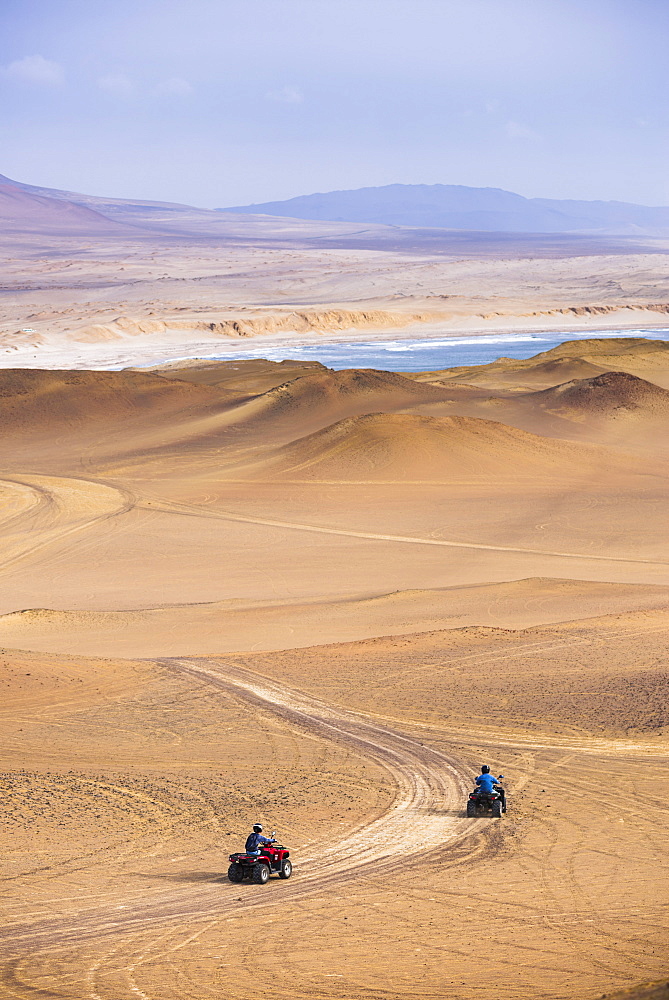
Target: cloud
(174,87)
(516,130)
(36,69)
(116,84)
(286,95)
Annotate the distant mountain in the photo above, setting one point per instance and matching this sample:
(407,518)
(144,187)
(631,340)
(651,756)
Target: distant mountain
(154,217)
(451,206)
(426,215)
(24,212)
(111,207)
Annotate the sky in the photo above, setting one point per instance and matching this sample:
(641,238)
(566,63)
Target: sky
(219,103)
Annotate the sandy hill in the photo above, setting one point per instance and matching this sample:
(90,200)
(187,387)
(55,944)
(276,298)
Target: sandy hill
(540,376)
(21,211)
(472,675)
(34,397)
(250,376)
(312,402)
(648,359)
(614,409)
(51,417)
(506,374)
(605,349)
(393,447)
(570,360)
(153,412)
(563,369)
(637,355)
(221,627)
(309,402)
(613,395)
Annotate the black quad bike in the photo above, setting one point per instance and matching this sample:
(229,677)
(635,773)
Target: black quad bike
(482,803)
(273,859)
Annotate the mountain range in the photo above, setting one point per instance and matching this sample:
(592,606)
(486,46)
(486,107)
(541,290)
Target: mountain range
(397,211)
(31,209)
(451,206)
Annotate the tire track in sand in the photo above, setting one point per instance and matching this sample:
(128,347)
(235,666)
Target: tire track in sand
(191,510)
(427,810)
(66,505)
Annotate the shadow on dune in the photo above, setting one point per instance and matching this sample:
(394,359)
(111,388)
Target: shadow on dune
(458,812)
(190,877)
(646,991)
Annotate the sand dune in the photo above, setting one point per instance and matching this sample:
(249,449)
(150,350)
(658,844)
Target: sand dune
(578,678)
(542,375)
(611,396)
(230,499)
(217,409)
(614,408)
(571,359)
(409,448)
(609,349)
(220,627)
(333,607)
(29,397)
(246,377)
(54,417)
(311,402)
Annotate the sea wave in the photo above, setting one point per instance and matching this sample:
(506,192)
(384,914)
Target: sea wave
(421,354)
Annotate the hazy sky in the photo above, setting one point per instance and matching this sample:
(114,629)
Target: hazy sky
(226,102)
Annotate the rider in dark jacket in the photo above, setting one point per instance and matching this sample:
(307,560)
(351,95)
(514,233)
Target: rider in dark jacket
(488,783)
(255,840)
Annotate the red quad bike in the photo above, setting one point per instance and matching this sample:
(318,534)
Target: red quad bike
(272,860)
(482,803)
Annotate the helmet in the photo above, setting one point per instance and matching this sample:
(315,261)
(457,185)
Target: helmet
(485,769)
(257,827)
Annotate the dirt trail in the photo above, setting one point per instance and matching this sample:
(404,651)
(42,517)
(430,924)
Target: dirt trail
(584,885)
(54,508)
(430,786)
(426,813)
(173,507)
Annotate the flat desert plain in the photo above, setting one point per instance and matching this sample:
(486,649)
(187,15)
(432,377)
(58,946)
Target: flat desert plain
(240,591)
(249,591)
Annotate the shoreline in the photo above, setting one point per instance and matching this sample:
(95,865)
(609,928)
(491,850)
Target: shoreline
(172,346)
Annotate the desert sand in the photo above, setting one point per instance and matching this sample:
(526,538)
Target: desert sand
(241,591)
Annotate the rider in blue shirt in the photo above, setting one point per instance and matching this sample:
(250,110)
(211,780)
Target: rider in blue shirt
(255,840)
(487,782)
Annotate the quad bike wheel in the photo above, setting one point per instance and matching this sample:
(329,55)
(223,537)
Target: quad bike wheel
(471,809)
(260,874)
(497,809)
(287,870)
(235,872)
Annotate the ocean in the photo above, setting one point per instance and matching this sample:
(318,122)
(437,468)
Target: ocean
(428,354)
